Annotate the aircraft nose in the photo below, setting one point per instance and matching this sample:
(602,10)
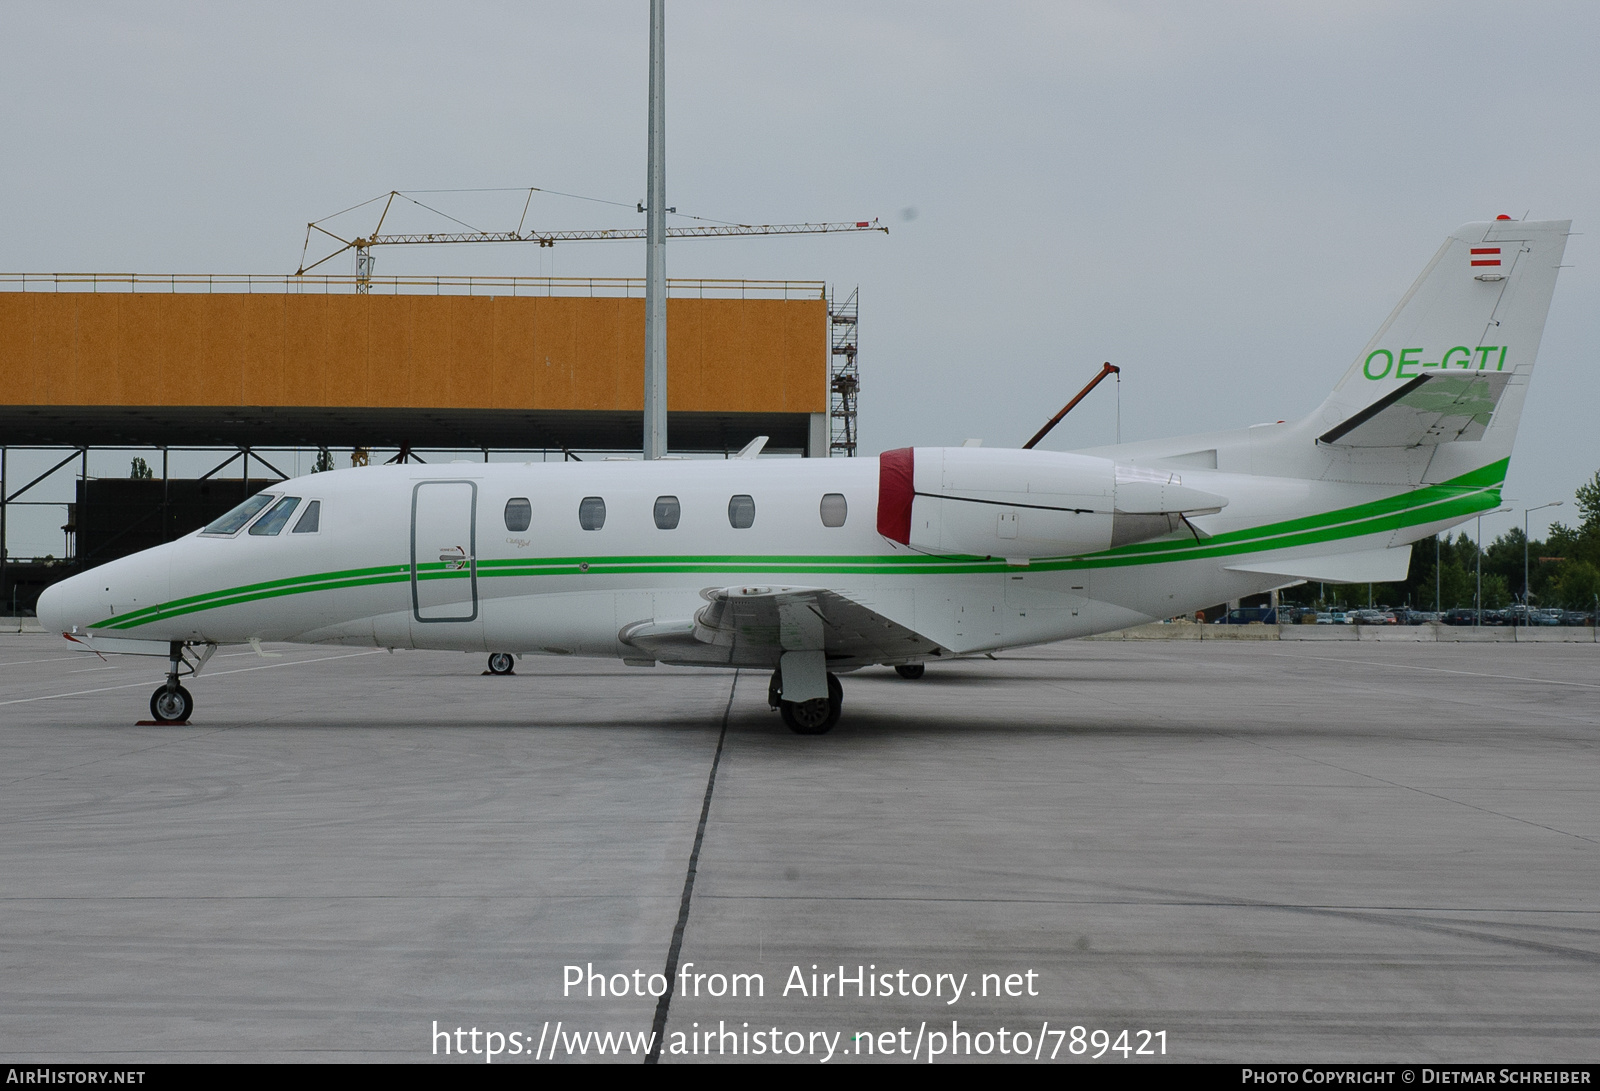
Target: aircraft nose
(121,586)
(70,604)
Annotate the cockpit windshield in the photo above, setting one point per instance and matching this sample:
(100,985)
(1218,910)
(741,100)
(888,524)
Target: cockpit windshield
(239,516)
(309,521)
(274,521)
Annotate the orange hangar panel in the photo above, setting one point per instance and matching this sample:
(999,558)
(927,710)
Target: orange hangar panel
(448,352)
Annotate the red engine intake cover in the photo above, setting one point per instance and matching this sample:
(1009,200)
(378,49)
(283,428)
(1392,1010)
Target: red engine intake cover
(895,493)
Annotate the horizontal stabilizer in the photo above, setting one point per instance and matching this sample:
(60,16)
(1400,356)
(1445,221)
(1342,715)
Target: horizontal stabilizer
(1430,409)
(1369,566)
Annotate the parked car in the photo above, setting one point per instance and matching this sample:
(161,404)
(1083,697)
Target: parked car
(1519,614)
(1246,615)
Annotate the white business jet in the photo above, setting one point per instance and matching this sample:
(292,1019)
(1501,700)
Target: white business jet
(814,567)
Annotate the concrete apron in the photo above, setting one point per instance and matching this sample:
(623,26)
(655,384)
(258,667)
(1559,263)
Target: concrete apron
(1453,634)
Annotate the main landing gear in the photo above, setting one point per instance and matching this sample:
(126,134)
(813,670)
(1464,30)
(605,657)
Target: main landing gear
(171,703)
(502,663)
(815,717)
(912,671)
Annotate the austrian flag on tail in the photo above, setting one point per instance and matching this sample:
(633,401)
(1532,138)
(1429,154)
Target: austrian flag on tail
(1485,255)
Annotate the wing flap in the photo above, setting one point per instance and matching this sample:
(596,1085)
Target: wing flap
(756,626)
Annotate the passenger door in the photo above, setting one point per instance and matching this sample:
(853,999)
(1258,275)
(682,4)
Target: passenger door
(444,551)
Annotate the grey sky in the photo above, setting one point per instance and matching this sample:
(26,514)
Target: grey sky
(1223,199)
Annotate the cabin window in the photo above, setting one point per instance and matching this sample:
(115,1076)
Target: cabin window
(834,509)
(310,520)
(742,512)
(239,516)
(591,513)
(519,513)
(277,518)
(668,512)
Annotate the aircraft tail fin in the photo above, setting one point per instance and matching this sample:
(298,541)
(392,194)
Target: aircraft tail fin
(1451,364)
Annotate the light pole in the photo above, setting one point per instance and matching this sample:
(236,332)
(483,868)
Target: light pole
(655,245)
(1525,606)
(1477,620)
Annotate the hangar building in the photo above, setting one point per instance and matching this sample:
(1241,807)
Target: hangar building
(248,364)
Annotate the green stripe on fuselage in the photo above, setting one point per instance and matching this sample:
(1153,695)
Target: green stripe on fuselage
(1458,498)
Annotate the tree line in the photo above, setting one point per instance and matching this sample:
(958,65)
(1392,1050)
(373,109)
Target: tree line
(1563,569)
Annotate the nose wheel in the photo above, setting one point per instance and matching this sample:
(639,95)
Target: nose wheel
(171,705)
(502,663)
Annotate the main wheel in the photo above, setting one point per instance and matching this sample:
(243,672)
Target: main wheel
(171,707)
(502,663)
(910,670)
(815,717)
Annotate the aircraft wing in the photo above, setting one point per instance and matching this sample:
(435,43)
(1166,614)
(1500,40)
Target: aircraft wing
(1430,409)
(755,626)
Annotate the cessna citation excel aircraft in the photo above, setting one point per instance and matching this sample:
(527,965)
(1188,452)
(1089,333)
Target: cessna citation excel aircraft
(811,567)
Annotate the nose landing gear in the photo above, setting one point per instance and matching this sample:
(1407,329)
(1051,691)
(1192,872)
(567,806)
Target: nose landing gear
(171,703)
(502,663)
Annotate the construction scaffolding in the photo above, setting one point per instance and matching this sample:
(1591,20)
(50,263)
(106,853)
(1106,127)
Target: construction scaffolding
(844,380)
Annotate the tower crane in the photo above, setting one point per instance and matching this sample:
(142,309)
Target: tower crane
(844,381)
(363,244)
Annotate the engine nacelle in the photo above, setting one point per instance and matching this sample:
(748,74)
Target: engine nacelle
(1019,504)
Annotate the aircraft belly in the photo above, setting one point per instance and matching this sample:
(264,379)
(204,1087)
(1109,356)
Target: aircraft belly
(980,613)
(558,623)
(1153,592)
(465,636)
(353,634)
(1041,607)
